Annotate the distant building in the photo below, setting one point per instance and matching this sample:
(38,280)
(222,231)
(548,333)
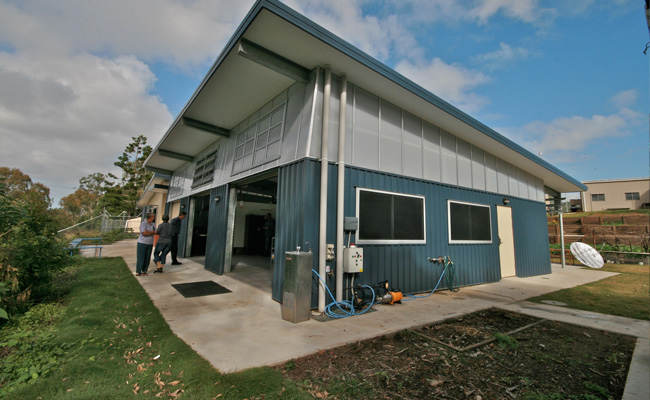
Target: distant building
(154,197)
(616,194)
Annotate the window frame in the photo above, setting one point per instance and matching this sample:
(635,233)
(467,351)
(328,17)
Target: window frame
(204,169)
(631,196)
(598,197)
(254,141)
(463,241)
(360,240)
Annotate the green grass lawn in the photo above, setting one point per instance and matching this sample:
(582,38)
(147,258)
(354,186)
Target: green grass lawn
(106,340)
(625,295)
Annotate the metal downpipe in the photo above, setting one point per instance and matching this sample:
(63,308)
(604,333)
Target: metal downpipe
(322,236)
(340,198)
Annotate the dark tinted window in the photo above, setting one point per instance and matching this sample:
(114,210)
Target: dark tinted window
(469,222)
(390,217)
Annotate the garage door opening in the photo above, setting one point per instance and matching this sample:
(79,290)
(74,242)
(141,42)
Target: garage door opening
(252,214)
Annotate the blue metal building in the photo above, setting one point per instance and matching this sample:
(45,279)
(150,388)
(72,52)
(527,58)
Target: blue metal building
(295,122)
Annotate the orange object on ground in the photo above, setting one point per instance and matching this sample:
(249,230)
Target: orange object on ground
(395,297)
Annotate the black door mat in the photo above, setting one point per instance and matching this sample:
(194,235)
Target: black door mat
(198,289)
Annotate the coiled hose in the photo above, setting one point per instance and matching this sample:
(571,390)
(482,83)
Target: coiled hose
(345,303)
(451,276)
(450,270)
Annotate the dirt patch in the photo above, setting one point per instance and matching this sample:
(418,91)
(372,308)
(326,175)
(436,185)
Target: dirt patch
(490,354)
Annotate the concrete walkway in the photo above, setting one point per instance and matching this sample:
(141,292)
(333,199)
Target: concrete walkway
(244,329)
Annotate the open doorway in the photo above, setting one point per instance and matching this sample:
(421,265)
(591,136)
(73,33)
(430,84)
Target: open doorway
(252,220)
(198,224)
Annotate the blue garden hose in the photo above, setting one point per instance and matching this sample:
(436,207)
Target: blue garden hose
(345,303)
(449,265)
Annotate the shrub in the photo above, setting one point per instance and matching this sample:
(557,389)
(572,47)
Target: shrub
(29,262)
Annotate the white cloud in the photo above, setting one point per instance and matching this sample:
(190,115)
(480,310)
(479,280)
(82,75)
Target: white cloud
(186,34)
(476,11)
(568,139)
(573,133)
(624,99)
(380,36)
(449,82)
(524,10)
(500,58)
(64,118)
(75,85)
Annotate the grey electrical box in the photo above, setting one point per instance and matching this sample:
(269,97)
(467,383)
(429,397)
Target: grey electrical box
(350,223)
(296,299)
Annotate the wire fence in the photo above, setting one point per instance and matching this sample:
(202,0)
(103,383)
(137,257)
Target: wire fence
(103,223)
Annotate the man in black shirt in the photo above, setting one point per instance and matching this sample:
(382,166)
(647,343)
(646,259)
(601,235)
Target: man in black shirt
(176,229)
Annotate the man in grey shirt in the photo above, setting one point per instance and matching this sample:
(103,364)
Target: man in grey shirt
(176,230)
(164,244)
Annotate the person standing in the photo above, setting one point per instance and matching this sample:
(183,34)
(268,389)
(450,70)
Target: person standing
(145,244)
(269,232)
(164,244)
(176,230)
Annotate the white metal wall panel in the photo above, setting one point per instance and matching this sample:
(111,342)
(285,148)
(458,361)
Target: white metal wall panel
(513,180)
(390,138)
(349,125)
(379,136)
(464,159)
(335,104)
(502,177)
(532,187)
(412,146)
(305,125)
(448,158)
(523,183)
(540,189)
(491,173)
(431,161)
(293,124)
(478,168)
(366,130)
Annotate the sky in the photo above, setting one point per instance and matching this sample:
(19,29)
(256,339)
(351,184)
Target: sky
(567,80)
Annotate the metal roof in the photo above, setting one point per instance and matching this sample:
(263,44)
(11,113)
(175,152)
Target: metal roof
(235,87)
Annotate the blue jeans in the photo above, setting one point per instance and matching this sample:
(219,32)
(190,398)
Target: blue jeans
(143,258)
(160,255)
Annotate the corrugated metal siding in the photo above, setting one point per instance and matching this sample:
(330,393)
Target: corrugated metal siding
(296,215)
(215,249)
(531,238)
(406,267)
(182,236)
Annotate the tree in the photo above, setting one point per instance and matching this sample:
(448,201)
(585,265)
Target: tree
(124,195)
(84,202)
(30,252)
(10,212)
(34,198)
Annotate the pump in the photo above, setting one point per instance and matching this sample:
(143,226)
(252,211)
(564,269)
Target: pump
(379,292)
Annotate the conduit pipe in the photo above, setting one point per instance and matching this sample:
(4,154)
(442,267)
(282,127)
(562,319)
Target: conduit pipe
(340,190)
(322,236)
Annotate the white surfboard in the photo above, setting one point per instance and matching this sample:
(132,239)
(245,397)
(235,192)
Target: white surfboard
(587,255)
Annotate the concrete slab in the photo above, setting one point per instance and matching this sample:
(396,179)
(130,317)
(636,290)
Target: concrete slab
(244,329)
(637,386)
